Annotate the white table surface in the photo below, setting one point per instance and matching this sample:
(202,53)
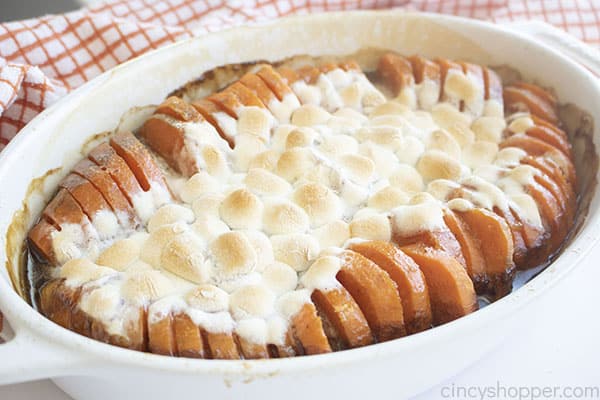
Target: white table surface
(559,347)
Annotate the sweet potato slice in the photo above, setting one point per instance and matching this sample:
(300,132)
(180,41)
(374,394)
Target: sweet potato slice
(108,160)
(187,337)
(245,96)
(542,122)
(88,197)
(222,346)
(139,160)
(40,241)
(274,81)
(103,182)
(309,74)
(495,241)
(450,289)
(287,349)
(252,351)
(308,331)
(536,147)
(258,87)
(63,209)
(396,72)
(227,102)
(516,229)
(161,338)
(375,293)
(345,316)
(538,91)
(409,280)
(552,138)
(208,109)
(81,322)
(493,85)
(471,250)
(177,108)
(520,99)
(167,140)
(552,171)
(425,69)
(441,239)
(551,214)
(288,74)
(57,302)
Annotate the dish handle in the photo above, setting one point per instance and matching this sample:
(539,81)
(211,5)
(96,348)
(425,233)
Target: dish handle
(26,357)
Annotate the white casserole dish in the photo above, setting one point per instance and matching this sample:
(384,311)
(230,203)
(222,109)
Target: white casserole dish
(88,369)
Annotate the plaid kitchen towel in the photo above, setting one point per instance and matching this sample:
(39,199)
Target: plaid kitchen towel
(42,59)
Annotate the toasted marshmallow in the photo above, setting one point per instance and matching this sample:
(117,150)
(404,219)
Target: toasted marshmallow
(183,256)
(296,250)
(241,209)
(319,202)
(280,277)
(284,217)
(251,301)
(233,254)
(374,227)
(170,214)
(208,298)
(265,183)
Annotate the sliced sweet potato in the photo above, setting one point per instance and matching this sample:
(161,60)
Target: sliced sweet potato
(396,72)
(57,301)
(409,280)
(538,91)
(349,65)
(520,99)
(552,138)
(535,238)
(187,337)
(88,197)
(309,74)
(252,351)
(136,331)
(493,85)
(274,81)
(425,69)
(177,108)
(245,96)
(103,182)
(516,228)
(39,240)
(308,331)
(471,251)
(161,338)
(258,87)
(63,209)
(553,172)
(222,346)
(344,314)
(375,293)
(450,289)
(542,122)
(108,160)
(167,139)
(81,322)
(288,349)
(441,239)
(495,241)
(551,214)
(227,102)
(139,160)
(289,75)
(208,109)
(536,147)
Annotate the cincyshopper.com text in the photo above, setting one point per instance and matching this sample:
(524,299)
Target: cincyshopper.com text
(500,391)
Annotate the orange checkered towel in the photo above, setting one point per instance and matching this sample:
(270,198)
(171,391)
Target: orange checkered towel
(43,59)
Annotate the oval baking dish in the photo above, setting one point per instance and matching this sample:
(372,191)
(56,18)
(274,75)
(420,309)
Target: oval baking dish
(89,369)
